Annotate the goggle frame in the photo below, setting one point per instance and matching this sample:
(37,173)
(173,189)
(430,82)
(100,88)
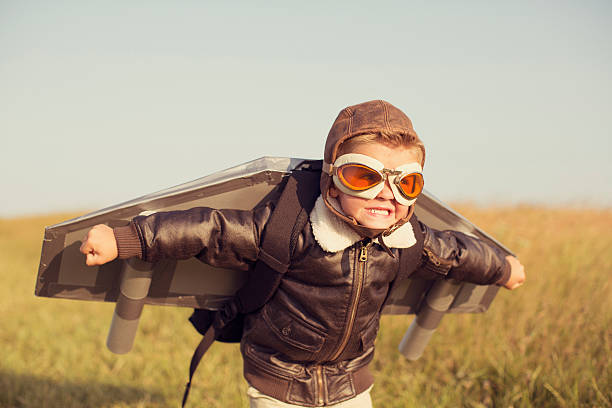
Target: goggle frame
(371,163)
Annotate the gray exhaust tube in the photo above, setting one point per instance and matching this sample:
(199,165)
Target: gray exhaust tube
(135,283)
(438,301)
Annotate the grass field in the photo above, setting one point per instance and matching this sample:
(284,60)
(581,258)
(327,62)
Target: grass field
(547,344)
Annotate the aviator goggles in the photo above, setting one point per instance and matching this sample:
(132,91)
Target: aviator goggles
(363,176)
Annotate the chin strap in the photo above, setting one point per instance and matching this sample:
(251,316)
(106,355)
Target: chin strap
(384,245)
(393,228)
(400,222)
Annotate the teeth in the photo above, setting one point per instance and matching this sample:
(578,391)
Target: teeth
(376,211)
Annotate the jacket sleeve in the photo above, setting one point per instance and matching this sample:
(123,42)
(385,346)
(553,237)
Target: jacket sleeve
(222,238)
(455,255)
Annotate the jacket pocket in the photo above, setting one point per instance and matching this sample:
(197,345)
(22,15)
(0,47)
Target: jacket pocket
(292,335)
(433,266)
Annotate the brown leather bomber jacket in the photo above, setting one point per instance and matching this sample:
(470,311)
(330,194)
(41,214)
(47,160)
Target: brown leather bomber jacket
(312,342)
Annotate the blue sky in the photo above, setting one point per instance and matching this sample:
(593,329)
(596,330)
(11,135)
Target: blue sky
(101,101)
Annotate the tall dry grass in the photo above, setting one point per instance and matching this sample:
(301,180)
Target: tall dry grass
(547,344)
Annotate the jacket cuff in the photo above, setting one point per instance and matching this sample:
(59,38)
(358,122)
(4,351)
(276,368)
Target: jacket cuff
(128,242)
(505,276)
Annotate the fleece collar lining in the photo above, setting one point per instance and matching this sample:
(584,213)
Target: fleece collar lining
(334,234)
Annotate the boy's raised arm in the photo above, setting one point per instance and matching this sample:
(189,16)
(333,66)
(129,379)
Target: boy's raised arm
(459,256)
(223,238)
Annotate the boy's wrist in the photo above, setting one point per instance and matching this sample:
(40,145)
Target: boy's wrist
(128,242)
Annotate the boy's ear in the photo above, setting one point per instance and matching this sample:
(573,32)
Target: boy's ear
(333,192)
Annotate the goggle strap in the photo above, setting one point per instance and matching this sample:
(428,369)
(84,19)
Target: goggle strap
(327,168)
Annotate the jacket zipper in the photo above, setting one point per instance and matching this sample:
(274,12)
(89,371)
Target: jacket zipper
(319,375)
(363,258)
(434,259)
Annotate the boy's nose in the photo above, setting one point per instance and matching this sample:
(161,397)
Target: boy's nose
(386,193)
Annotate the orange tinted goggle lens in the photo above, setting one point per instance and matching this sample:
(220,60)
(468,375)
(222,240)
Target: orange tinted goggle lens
(358,177)
(411,185)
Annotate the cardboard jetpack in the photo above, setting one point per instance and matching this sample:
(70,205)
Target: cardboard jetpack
(190,283)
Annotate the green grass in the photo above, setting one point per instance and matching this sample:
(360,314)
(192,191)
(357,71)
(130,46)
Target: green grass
(547,344)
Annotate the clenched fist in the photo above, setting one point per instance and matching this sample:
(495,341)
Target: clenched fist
(99,245)
(517,273)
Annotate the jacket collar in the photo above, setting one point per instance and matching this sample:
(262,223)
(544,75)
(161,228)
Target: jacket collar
(333,234)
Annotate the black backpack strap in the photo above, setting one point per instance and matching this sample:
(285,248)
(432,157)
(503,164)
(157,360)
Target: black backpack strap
(287,220)
(410,258)
(216,322)
(205,343)
(279,238)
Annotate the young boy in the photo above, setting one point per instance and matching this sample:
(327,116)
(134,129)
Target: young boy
(311,344)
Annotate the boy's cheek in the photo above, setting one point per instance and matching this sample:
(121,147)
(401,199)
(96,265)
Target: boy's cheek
(350,205)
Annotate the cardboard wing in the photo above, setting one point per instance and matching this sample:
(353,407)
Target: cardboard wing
(190,283)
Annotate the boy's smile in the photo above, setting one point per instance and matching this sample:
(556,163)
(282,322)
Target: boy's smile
(382,211)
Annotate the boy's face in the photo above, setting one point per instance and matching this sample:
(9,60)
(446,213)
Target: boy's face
(382,211)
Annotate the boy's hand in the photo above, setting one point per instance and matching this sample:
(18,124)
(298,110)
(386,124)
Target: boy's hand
(99,245)
(517,273)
